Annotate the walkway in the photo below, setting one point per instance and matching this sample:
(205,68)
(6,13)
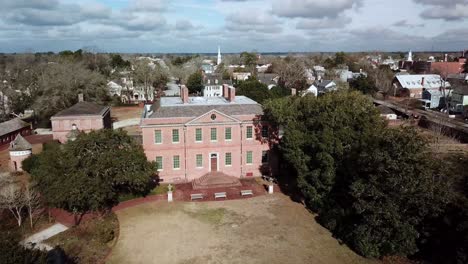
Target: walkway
(36,239)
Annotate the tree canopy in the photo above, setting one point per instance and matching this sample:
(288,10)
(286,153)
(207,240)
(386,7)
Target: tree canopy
(253,89)
(195,82)
(90,173)
(364,85)
(372,186)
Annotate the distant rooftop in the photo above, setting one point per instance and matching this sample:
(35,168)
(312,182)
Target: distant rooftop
(83,108)
(12,126)
(196,106)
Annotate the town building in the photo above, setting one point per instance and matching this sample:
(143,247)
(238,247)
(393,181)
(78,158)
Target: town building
(412,85)
(83,116)
(312,90)
(270,79)
(190,137)
(213,85)
(325,86)
(20,149)
(459,99)
(10,129)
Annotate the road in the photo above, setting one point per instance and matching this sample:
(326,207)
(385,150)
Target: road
(432,116)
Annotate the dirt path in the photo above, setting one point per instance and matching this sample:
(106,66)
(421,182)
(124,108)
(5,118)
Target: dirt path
(269,229)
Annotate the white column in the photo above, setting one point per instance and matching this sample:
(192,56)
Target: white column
(169,196)
(270,189)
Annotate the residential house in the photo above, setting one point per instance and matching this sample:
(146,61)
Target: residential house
(208,68)
(270,79)
(241,76)
(190,137)
(412,85)
(20,149)
(433,99)
(459,99)
(319,72)
(313,90)
(325,86)
(83,116)
(213,85)
(458,79)
(114,88)
(12,128)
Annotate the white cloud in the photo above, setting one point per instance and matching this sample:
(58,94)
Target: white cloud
(312,8)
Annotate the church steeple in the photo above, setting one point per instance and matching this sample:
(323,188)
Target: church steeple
(219,56)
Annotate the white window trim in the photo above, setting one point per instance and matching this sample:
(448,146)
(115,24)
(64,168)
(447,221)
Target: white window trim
(228,140)
(162,164)
(216,140)
(173,164)
(196,165)
(246,162)
(175,142)
(156,143)
(217,160)
(226,159)
(196,141)
(246,135)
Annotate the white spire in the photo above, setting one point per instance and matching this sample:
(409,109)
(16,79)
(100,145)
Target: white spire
(219,56)
(410,56)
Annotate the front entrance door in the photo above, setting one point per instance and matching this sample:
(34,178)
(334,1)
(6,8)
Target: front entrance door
(214,162)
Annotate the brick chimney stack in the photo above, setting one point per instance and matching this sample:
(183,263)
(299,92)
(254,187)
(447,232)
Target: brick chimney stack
(184,94)
(226,91)
(80,97)
(232,94)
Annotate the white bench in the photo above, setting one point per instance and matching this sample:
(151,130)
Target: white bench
(220,195)
(196,196)
(246,192)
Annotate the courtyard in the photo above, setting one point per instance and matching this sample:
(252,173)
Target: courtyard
(265,229)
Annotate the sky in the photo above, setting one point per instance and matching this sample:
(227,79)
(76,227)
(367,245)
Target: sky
(200,26)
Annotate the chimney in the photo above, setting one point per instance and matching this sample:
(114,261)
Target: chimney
(446,58)
(293,92)
(232,94)
(422,82)
(80,97)
(226,91)
(184,94)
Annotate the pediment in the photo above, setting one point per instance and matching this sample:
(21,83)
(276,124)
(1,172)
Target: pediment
(213,117)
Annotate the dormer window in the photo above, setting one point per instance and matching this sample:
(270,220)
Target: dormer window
(74,127)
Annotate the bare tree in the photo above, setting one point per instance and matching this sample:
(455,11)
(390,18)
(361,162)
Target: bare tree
(32,199)
(12,197)
(292,74)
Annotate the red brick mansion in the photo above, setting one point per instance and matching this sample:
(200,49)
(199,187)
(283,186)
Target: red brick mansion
(190,137)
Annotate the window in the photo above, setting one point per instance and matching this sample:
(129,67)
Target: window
(176,162)
(159,163)
(228,133)
(199,159)
(175,135)
(249,157)
(228,159)
(157,137)
(264,156)
(214,134)
(264,131)
(198,135)
(249,132)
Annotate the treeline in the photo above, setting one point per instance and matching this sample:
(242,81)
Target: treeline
(378,189)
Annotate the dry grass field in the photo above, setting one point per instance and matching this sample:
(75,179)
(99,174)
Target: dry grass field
(268,229)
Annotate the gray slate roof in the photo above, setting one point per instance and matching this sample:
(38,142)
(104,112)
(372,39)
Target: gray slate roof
(198,110)
(167,107)
(20,144)
(384,110)
(12,126)
(83,108)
